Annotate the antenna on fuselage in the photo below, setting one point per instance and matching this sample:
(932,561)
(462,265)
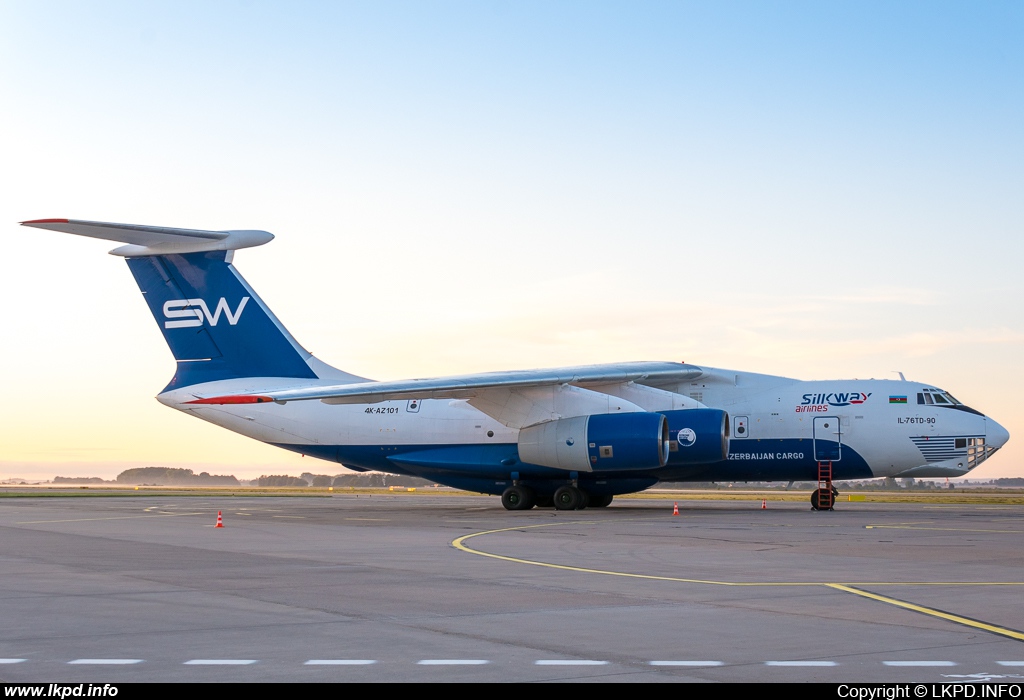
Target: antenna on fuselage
(902,378)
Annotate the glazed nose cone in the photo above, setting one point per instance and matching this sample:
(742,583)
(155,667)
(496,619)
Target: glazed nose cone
(995,434)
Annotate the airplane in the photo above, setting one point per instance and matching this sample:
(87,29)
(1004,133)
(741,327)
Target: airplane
(571,437)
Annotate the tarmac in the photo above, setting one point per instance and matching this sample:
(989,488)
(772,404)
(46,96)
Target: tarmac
(379,588)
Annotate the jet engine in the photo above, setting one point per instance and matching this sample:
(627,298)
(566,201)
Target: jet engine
(601,442)
(698,436)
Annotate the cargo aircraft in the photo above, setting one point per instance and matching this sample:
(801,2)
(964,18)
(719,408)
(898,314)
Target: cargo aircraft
(570,437)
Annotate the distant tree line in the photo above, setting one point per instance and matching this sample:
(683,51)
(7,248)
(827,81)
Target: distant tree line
(364,480)
(278,480)
(379,479)
(168,476)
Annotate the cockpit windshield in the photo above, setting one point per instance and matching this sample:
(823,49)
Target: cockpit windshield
(930,397)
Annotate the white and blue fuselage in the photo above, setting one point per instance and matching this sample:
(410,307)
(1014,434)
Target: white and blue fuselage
(569,436)
(780,429)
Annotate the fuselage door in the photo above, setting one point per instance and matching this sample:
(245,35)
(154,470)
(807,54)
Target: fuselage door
(828,435)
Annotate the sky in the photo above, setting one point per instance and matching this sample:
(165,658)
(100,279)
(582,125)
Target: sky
(814,190)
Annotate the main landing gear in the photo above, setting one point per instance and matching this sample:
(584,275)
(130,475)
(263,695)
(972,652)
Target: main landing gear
(518,498)
(566,497)
(570,498)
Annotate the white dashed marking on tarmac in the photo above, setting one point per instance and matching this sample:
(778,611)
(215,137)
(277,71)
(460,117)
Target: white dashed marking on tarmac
(678,663)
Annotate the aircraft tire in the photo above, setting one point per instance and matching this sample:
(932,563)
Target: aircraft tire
(567,498)
(517,498)
(584,499)
(815,503)
(600,501)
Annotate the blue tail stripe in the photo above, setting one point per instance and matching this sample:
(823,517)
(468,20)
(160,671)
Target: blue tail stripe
(216,326)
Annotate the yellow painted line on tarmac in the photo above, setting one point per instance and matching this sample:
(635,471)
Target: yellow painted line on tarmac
(958,619)
(940,529)
(460,544)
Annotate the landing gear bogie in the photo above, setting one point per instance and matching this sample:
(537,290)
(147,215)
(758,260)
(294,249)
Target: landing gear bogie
(566,497)
(545,500)
(569,498)
(518,498)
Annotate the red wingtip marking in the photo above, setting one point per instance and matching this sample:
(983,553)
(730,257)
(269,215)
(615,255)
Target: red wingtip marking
(44,221)
(223,400)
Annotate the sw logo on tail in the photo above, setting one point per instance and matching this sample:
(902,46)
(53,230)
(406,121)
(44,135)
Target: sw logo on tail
(194,311)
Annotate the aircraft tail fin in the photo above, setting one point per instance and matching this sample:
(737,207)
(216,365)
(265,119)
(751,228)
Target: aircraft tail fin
(216,326)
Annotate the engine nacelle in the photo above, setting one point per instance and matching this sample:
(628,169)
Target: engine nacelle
(698,436)
(601,442)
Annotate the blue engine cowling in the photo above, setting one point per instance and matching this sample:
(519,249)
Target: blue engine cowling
(697,436)
(602,442)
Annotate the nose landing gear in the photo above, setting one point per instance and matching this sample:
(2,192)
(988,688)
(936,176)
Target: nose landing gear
(826,503)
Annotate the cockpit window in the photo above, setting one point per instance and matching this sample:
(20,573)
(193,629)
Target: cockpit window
(930,397)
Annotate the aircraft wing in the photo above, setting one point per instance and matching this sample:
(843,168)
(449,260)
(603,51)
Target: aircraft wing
(516,398)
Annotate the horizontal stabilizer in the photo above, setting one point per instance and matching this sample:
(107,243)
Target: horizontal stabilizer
(155,240)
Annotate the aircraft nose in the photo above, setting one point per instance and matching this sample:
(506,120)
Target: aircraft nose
(995,434)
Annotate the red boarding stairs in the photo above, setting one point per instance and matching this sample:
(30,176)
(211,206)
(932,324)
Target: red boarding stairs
(826,497)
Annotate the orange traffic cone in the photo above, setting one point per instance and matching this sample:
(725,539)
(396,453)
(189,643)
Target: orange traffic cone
(764,504)
(220,520)
(675,508)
